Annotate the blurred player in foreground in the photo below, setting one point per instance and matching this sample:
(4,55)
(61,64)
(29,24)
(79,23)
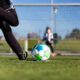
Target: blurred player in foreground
(48,39)
(8,17)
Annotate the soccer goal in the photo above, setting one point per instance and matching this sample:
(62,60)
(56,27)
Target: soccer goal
(63,19)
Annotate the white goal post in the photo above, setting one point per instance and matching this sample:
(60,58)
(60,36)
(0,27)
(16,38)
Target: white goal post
(61,4)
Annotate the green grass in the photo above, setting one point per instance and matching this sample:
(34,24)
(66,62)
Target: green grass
(72,46)
(4,47)
(57,68)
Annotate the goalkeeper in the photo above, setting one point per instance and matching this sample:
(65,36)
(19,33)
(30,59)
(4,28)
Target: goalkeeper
(48,39)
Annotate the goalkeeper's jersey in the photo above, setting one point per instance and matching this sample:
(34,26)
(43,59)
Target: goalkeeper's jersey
(48,37)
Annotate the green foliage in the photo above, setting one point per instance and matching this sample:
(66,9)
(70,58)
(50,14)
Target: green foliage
(57,68)
(74,35)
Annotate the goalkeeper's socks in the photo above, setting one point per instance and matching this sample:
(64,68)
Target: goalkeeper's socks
(53,54)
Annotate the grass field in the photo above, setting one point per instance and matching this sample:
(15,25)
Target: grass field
(69,46)
(57,68)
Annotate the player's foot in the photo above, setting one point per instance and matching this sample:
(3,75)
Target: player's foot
(23,56)
(52,54)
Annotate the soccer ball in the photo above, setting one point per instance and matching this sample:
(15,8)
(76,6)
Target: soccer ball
(41,52)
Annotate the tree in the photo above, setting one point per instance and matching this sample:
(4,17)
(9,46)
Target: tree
(67,37)
(33,36)
(74,35)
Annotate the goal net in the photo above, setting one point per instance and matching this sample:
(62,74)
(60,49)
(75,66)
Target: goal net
(34,18)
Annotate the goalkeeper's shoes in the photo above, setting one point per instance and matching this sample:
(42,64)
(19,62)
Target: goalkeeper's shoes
(52,54)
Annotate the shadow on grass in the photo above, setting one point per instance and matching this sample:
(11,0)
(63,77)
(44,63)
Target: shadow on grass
(63,58)
(28,59)
(31,59)
(58,58)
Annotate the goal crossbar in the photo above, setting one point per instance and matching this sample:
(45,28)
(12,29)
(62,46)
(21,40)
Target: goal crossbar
(61,4)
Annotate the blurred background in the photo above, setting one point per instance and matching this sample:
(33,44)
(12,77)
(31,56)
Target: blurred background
(63,20)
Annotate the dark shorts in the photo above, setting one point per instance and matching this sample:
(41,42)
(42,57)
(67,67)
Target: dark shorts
(9,16)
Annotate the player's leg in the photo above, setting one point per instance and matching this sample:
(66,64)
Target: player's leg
(12,41)
(52,49)
(9,16)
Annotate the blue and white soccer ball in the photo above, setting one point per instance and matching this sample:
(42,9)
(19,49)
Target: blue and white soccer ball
(41,52)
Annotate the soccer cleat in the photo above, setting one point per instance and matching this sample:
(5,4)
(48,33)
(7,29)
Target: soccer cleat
(52,54)
(26,54)
(23,56)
